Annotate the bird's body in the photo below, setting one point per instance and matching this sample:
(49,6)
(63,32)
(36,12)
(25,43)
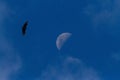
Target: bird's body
(24,27)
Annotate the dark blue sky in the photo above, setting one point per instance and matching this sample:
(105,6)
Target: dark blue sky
(91,53)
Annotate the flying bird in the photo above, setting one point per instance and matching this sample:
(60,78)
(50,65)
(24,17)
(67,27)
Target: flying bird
(24,27)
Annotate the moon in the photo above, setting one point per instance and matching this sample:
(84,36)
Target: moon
(61,39)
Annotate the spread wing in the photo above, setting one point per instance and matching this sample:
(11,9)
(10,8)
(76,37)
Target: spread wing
(24,27)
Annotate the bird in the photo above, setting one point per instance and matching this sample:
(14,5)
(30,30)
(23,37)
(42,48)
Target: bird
(24,27)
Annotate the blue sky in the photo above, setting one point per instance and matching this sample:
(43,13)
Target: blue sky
(91,53)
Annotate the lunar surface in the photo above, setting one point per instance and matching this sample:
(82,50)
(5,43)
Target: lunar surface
(61,39)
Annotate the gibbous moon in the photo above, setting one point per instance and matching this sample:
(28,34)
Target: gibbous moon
(61,39)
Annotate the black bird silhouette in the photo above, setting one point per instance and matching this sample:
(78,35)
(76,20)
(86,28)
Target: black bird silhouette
(24,27)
